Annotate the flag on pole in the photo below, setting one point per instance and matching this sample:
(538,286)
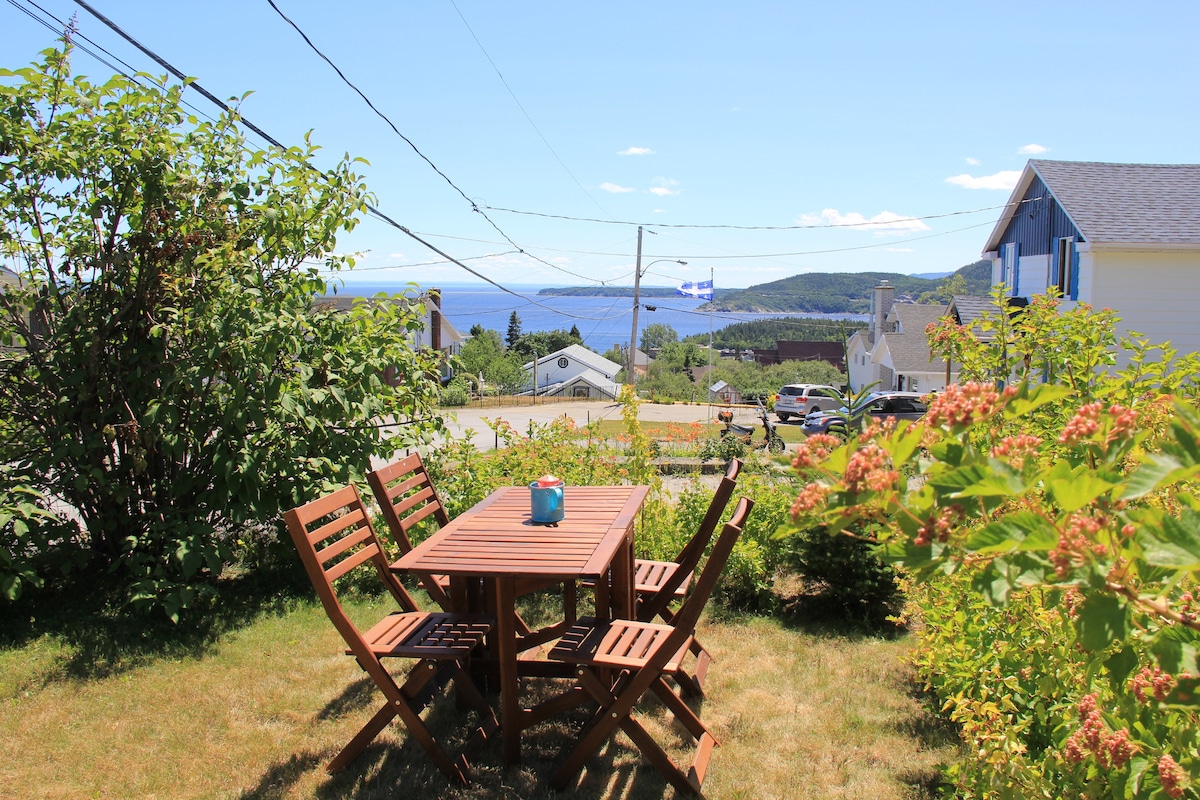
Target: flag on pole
(701,290)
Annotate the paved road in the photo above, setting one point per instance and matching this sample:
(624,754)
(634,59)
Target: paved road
(583,412)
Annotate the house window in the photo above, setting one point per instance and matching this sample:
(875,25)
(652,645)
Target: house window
(1064,260)
(1011,268)
(912,384)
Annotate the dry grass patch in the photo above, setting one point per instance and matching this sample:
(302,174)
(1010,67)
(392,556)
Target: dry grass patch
(259,713)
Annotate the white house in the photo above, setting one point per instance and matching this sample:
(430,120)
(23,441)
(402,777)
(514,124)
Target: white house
(894,352)
(436,332)
(574,371)
(1122,236)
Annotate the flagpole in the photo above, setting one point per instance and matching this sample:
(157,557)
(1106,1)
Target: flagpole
(708,378)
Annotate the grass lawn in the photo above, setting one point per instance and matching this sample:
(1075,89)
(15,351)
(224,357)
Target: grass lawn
(256,706)
(612,428)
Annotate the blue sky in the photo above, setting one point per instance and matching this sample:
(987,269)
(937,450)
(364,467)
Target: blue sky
(699,114)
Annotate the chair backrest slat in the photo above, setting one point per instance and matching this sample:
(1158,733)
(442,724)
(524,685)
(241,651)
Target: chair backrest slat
(348,527)
(346,564)
(337,547)
(684,622)
(406,495)
(689,557)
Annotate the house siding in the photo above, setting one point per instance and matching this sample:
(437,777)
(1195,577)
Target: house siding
(1035,228)
(1154,293)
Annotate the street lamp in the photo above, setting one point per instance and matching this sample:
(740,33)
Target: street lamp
(637,287)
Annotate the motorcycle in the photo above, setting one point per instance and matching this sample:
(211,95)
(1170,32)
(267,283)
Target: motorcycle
(771,440)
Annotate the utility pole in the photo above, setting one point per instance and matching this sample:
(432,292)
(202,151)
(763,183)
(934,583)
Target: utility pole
(637,286)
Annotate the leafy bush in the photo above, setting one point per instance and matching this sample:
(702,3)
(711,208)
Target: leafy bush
(1056,525)
(170,369)
(456,394)
(845,578)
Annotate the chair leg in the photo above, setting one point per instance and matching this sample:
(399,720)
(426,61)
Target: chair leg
(364,737)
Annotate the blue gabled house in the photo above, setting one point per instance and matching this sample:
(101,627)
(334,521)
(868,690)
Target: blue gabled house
(1122,236)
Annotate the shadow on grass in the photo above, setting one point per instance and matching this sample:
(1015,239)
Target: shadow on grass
(356,696)
(396,765)
(101,638)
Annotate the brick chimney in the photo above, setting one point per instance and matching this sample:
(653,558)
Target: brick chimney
(885,295)
(435,319)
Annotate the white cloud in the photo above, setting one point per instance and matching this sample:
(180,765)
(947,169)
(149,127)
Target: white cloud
(882,223)
(1005,179)
(1032,149)
(397,257)
(659,211)
(663,187)
(974,162)
(636,151)
(615,189)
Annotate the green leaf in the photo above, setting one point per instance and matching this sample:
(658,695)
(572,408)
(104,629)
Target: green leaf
(1174,542)
(1121,665)
(1081,488)
(1186,693)
(1156,471)
(1102,619)
(1028,400)
(1021,530)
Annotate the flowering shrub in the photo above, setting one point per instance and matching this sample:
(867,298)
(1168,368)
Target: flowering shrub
(1055,526)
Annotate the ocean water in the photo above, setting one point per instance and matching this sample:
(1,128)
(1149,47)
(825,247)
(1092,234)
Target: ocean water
(603,321)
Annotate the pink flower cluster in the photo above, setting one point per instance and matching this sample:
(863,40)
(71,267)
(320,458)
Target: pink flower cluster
(938,526)
(1016,449)
(1111,748)
(868,469)
(1076,542)
(1085,422)
(1171,776)
(810,497)
(814,450)
(1160,683)
(967,404)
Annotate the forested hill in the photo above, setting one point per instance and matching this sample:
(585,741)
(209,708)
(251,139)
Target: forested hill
(844,292)
(766,333)
(823,292)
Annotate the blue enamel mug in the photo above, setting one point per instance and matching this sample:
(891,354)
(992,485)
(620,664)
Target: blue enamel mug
(546,500)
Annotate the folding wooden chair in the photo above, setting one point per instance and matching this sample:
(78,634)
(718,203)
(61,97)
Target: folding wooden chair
(335,538)
(641,655)
(406,496)
(660,583)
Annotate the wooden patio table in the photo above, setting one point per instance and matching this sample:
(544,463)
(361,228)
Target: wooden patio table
(496,541)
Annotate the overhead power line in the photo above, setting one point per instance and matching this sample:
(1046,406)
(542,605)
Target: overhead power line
(513,95)
(371,210)
(814,226)
(474,206)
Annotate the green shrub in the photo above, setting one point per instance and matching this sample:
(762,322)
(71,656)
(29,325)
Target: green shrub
(456,394)
(845,578)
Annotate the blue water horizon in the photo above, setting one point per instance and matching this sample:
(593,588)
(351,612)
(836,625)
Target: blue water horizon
(603,322)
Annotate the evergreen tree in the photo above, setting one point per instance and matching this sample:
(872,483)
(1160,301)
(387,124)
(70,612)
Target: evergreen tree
(575,334)
(514,330)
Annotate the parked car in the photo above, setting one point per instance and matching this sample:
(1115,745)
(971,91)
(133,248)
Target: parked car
(878,405)
(802,399)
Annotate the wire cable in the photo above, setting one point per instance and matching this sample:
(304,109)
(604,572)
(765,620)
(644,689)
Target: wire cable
(476,207)
(532,124)
(371,210)
(863,224)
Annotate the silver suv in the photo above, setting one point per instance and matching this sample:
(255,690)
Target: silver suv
(800,399)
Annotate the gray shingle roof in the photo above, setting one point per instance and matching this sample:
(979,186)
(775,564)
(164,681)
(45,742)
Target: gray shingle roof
(1127,203)
(910,349)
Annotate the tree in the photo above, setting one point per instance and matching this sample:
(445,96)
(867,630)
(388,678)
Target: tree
(478,352)
(954,284)
(657,334)
(543,343)
(514,329)
(575,334)
(507,374)
(173,371)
